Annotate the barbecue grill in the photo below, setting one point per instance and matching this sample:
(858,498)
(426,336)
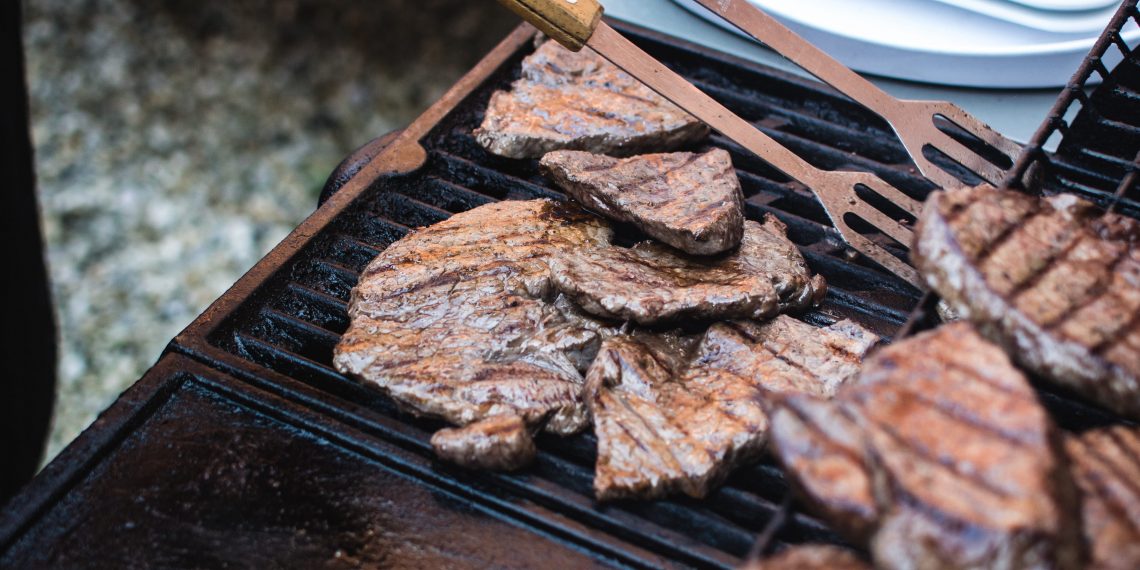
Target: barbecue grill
(259,361)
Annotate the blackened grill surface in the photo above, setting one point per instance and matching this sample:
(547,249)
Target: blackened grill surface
(282,333)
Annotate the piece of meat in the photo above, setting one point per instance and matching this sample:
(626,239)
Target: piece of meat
(634,400)
(821,448)
(500,443)
(1106,467)
(967,468)
(1052,281)
(788,355)
(651,283)
(810,557)
(669,421)
(459,320)
(580,101)
(690,201)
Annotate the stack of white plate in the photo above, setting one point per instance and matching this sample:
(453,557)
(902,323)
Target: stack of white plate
(976,43)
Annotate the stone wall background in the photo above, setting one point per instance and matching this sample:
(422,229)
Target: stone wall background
(176,142)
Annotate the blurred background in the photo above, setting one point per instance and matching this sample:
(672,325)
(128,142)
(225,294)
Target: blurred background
(177,142)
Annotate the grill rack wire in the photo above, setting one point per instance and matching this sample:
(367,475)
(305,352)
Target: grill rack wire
(1098,155)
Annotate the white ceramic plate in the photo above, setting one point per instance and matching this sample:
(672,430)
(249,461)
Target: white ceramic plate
(933,42)
(1048,20)
(1068,5)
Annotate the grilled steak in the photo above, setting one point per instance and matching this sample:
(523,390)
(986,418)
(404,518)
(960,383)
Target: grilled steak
(652,283)
(810,557)
(668,421)
(580,101)
(459,321)
(501,443)
(690,201)
(968,469)
(1106,466)
(821,448)
(1057,285)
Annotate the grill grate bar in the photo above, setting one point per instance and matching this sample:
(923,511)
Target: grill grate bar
(487,180)
(353,244)
(328,302)
(377,230)
(302,326)
(293,364)
(881,148)
(412,213)
(827,158)
(451,197)
(791,196)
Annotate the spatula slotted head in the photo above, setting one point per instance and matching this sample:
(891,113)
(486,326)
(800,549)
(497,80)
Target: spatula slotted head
(844,196)
(987,154)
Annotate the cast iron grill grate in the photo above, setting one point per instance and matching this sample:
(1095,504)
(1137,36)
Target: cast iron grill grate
(279,325)
(1098,156)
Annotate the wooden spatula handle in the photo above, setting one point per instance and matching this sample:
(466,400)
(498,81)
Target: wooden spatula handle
(569,22)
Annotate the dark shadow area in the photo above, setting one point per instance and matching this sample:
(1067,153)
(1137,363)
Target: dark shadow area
(27,388)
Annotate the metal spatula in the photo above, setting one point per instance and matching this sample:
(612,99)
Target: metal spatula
(912,121)
(577,23)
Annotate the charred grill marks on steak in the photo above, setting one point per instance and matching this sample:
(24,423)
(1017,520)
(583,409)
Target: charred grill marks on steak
(1106,467)
(578,100)
(690,201)
(459,320)
(1051,280)
(790,356)
(669,421)
(821,448)
(651,283)
(966,466)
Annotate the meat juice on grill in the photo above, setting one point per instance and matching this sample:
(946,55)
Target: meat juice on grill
(1052,280)
(580,101)
(690,201)
(670,417)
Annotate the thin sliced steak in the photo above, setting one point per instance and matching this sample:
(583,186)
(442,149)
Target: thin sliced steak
(1052,281)
(652,283)
(459,320)
(1106,466)
(580,101)
(670,419)
(500,443)
(968,469)
(810,557)
(690,201)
